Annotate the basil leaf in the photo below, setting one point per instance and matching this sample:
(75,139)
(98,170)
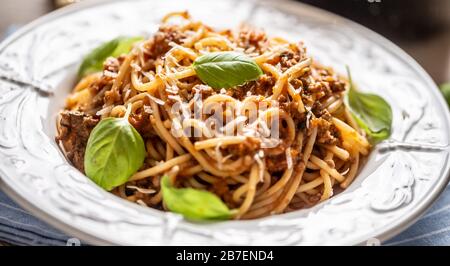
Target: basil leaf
(226,69)
(93,62)
(192,203)
(445,89)
(114,152)
(125,44)
(372,113)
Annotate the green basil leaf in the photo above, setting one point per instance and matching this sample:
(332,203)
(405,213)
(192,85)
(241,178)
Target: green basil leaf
(93,62)
(372,113)
(125,44)
(226,69)
(192,203)
(445,89)
(114,152)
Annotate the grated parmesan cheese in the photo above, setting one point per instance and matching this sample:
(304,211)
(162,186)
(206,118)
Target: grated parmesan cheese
(105,110)
(156,100)
(142,190)
(289,158)
(110,74)
(136,67)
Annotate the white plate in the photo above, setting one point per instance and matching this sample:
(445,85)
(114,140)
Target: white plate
(37,70)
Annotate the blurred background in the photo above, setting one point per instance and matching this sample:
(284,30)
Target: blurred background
(421,28)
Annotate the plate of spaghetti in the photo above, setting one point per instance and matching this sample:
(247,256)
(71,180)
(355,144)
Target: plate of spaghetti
(282,125)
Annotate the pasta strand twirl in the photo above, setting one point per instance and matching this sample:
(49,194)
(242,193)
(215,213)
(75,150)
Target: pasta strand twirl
(273,144)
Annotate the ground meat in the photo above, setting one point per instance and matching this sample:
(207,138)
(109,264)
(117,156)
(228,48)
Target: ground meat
(278,163)
(220,187)
(98,99)
(75,128)
(263,86)
(327,79)
(102,86)
(112,64)
(205,91)
(292,109)
(252,40)
(140,120)
(159,44)
(288,59)
(327,133)
(245,148)
(320,89)
(336,85)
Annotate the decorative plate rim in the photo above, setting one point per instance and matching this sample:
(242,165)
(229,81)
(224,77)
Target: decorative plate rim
(382,234)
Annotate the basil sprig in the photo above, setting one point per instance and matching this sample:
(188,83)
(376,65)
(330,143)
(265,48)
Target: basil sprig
(192,203)
(372,113)
(114,152)
(93,62)
(226,69)
(445,89)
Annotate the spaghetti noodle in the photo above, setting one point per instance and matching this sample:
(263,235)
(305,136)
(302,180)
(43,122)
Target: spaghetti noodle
(319,147)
